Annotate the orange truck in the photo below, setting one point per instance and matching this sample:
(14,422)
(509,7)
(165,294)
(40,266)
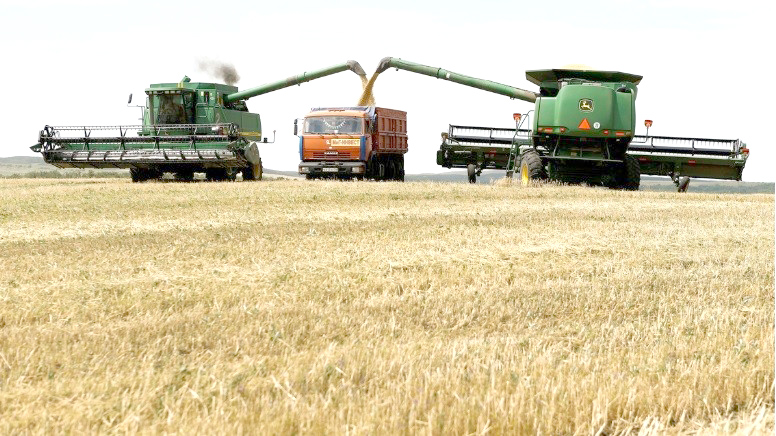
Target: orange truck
(353,142)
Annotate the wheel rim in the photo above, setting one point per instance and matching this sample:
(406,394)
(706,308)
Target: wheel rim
(524,174)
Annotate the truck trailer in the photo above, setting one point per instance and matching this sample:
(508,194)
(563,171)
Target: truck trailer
(353,142)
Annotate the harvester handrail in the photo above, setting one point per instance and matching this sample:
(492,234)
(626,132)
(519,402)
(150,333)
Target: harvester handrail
(140,126)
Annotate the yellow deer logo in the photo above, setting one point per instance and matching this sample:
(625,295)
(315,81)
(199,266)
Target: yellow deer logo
(586,105)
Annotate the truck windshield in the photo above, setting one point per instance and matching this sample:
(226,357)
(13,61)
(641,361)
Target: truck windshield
(334,125)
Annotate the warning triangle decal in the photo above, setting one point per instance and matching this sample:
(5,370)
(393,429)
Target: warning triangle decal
(584,125)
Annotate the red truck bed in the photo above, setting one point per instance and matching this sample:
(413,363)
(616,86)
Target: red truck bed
(391,132)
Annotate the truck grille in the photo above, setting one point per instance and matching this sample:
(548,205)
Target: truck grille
(333,155)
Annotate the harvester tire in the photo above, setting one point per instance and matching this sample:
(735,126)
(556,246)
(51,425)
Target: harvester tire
(137,175)
(253,172)
(216,174)
(143,174)
(632,174)
(184,176)
(683,184)
(471,171)
(531,167)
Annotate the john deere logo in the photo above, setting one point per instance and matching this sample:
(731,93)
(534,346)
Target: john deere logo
(586,105)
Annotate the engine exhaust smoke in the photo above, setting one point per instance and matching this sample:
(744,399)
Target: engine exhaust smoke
(221,70)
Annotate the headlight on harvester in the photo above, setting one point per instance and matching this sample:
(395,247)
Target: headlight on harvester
(358,170)
(304,170)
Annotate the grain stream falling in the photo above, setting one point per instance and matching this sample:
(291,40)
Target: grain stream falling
(367,98)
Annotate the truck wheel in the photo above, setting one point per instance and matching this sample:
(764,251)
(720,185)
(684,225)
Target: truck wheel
(399,171)
(390,170)
(632,174)
(531,167)
(253,172)
(471,171)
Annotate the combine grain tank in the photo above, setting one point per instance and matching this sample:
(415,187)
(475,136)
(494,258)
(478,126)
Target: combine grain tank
(187,127)
(353,142)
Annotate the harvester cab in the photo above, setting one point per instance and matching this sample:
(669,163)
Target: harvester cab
(187,127)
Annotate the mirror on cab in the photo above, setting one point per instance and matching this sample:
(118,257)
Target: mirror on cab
(130,99)
(296,127)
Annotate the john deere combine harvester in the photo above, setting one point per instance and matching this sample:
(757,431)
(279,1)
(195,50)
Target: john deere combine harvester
(187,127)
(583,131)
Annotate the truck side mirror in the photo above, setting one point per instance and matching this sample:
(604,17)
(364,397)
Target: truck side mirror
(296,128)
(130,98)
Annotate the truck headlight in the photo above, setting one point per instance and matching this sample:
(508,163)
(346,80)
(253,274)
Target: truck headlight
(358,170)
(304,170)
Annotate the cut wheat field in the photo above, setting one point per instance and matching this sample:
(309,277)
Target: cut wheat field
(301,307)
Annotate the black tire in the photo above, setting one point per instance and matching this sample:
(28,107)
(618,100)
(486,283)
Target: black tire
(143,174)
(215,174)
(471,172)
(684,183)
(137,174)
(531,167)
(390,170)
(400,169)
(309,177)
(184,176)
(632,174)
(253,172)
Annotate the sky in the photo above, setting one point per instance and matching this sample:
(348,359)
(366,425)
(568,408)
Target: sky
(705,64)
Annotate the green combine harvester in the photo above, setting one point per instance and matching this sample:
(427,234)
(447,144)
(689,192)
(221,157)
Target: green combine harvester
(583,131)
(187,127)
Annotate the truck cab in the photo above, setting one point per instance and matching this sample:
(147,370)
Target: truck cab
(337,137)
(353,142)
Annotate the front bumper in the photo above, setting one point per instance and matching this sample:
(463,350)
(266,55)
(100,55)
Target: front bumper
(332,168)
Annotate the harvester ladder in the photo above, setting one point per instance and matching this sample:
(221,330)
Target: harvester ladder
(514,150)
